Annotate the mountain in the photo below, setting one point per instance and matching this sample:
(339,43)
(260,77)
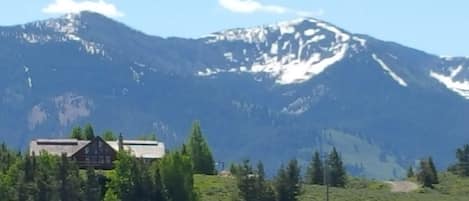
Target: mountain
(269,92)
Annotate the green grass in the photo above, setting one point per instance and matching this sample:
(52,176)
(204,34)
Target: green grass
(451,188)
(215,188)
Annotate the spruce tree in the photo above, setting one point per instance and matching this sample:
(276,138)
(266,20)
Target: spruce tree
(47,182)
(433,171)
(109,136)
(199,151)
(410,172)
(287,182)
(77,133)
(246,182)
(315,171)
(88,132)
(159,191)
(69,182)
(121,182)
(462,166)
(251,183)
(425,175)
(263,189)
(176,174)
(337,175)
(92,188)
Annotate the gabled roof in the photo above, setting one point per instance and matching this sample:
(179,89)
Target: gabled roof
(138,148)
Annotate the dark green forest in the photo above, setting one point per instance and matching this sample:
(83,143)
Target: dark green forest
(45,177)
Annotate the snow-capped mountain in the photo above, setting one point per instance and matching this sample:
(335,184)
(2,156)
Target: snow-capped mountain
(269,92)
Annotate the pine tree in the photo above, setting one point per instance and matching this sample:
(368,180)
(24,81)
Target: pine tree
(462,166)
(287,182)
(88,132)
(315,171)
(159,192)
(176,174)
(433,171)
(410,172)
(263,189)
(77,133)
(27,188)
(92,188)
(121,182)
(109,136)
(246,182)
(200,154)
(47,183)
(337,175)
(425,175)
(69,182)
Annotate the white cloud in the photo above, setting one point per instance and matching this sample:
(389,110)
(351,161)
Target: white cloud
(75,6)
(252,6)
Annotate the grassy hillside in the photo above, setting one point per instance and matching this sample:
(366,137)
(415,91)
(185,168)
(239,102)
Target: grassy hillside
(452,188)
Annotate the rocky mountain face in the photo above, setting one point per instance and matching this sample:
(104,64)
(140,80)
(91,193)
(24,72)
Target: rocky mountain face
(270,92)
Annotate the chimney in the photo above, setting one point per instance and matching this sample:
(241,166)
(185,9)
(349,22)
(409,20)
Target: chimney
(120,142)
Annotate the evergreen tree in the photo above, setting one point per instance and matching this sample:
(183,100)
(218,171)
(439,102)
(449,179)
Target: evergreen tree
(69,182)
(92,188)
(88,132)
(433,171)
(121,182)
(77,133)
(109,136)
(462,166)
(47,183)
(425,175)
(27,188)
(337,175)
(200,154)
(176,174)
(245,182)
(315,171)
(410,172)
(287,182)
(184,150)
(159,192)
(263,189)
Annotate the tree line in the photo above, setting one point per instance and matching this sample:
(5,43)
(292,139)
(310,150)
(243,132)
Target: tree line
(287,184)
(427,175)
(45,177)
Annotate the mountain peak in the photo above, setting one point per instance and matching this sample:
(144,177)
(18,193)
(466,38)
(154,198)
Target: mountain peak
(291,51)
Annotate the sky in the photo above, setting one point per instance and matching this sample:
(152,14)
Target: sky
(439,26)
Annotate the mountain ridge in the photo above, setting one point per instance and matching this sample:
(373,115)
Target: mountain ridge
(250,95)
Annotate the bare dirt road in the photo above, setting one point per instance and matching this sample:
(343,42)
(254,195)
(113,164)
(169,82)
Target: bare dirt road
(402,186)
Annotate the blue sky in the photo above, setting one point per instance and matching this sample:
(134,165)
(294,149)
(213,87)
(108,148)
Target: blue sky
(437,26)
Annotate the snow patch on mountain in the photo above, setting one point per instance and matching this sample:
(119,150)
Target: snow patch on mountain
(290,52)
(64,29)
(460,87)
(311,32)
(255,34)
(300,71)
(388,70)
(360,40)
(137,76)
(30,82)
